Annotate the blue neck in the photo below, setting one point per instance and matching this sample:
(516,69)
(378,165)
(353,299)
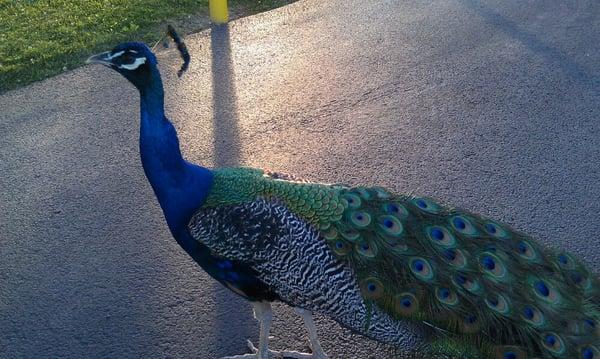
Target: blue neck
(181,187)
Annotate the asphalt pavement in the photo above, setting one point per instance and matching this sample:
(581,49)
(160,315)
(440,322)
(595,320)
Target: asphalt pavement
(488,105)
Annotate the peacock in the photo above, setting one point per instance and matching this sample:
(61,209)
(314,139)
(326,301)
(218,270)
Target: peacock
(400,269)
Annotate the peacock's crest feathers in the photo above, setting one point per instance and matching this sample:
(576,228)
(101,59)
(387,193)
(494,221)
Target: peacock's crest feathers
(474,278)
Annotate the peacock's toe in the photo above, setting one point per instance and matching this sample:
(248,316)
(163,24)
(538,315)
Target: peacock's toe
(270,354)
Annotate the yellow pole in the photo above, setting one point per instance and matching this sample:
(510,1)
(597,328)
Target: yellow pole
(218,11)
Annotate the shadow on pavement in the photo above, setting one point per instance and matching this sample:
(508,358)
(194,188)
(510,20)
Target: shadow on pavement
(550,54)
(227,323)
(225,117)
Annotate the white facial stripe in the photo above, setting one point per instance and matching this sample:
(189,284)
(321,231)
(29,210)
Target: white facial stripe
(115,55)
(138,61)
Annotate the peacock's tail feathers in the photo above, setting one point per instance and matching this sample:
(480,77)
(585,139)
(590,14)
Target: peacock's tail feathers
(478,280)
(471,276)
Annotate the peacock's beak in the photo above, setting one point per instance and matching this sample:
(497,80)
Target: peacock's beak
(101,58)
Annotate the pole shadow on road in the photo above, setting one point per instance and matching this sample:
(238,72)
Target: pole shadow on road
(232,313)
(225,118)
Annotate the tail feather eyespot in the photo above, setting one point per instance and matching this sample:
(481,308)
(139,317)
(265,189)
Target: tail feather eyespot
(533,316)
(396,209)
(421,268)
(463,225)
(426,205)
(372,288)
(446,296)
(493,266)
(553,343)
(360,219)
(526,251)
(406,304)
(455,257)
(390,225)
(589,352)
(440,236)
(544,291)
(466,282)
(353,200)
(510,352)
(340,247)
(366,249)
(496,230)
(498,303)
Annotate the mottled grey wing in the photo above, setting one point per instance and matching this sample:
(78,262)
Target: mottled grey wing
(290,256)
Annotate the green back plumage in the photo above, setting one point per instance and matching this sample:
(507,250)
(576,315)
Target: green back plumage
(481,283)
(317,203)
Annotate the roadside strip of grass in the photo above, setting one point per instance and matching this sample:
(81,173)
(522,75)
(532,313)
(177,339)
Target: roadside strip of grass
(42,38)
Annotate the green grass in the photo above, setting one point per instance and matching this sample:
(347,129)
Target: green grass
(41,38)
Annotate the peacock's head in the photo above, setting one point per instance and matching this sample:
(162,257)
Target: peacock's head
(137,63)
(134,60)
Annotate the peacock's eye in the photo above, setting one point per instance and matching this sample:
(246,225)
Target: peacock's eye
(127,58)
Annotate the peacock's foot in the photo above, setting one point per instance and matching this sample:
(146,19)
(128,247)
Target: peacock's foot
(255,354)
(286,354)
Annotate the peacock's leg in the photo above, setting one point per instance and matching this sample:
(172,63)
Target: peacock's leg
(264,314)
(317,351)
(312,333)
